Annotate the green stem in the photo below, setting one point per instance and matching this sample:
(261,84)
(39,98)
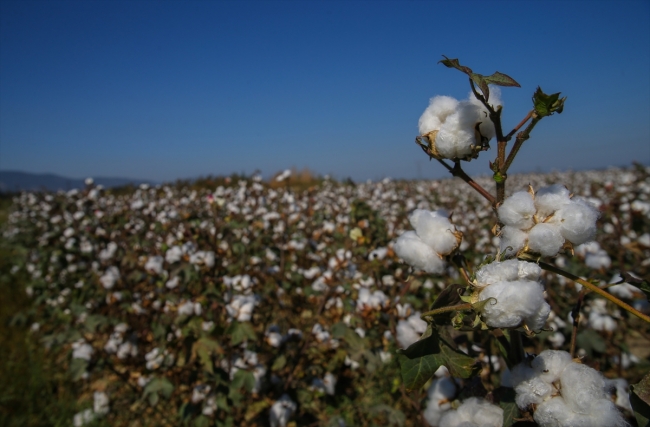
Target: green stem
(459,307)
(586,284)
(519,141)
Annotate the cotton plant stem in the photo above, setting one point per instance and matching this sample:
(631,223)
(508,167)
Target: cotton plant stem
(521,123)
(458,171)
(459,307)
(519,141)
(586,284)
(576,321)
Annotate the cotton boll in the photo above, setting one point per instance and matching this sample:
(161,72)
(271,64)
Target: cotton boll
(554,413)
(456,137)
(513,303)
(550,364)
(577,221)
(549,199)
(440,107)
(545,239)
(435,230)
(410,330)
(439,397)
(415,252)
(512,240)
(497,272)
(281,411)
(473,412)
(583,387)
(532,392)
(528,271)
(518,210)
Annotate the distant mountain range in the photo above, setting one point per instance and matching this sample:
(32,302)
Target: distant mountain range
(11,181)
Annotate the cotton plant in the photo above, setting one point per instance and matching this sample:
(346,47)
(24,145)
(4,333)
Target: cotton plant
(506,291)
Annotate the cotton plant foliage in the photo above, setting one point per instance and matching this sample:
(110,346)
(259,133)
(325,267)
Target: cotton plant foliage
(545,221)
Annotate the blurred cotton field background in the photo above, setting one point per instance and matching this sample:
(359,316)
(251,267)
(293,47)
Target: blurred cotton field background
(243,302)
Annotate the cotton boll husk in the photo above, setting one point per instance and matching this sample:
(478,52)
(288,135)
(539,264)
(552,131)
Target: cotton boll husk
(518,210)
(436,113)
(551,198)
(415,252)
(516,302)
(512,240)
(577,221)
(545,239)
(550,364)
(434,230)
(497,272)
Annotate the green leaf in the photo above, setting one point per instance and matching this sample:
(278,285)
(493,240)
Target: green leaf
(449,296)
(204,348)
(77,368)
(480,81)
(591,341)
(159,385)
(95,321)
(506,398)
(254,409)
(422,359)
(501,79)
(640,400)
(240,331)
(244,379)
(545,105)
(279,363)
(342,331)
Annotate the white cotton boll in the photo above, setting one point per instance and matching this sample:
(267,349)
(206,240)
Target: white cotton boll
(281,411)
(545,239)
(518,210)
(497,272)
(474,412)
(154,265)
(440,107)
(100,403)
(598,260)
(439,396)
(415,252)
(577,221)
(554,413)
(84,417)
(528,271)
(456,137)
(532,392)
(512,240)
(82,350)
(582,387)
(515,302)
(435,230)
(110,277)
(410,330)
(550,364)
(551,198)
(173,254)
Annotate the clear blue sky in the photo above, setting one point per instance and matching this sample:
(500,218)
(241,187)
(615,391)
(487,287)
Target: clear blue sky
(176,89)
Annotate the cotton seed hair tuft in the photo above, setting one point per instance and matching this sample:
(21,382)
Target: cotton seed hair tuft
(433,238)
(512,295)
(545,221)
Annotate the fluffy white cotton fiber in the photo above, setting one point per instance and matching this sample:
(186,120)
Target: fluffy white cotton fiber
(418,254)
(473,412)
(545,239)
(518,210)
(577,221)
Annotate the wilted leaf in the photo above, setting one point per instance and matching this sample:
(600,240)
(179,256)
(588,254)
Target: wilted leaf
(501,79)
(254,409)
(453,63)
(449,296)
(640,400)
(480,81)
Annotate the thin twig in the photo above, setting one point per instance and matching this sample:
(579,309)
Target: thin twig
(523,122)
(519,141)
(458,307)
(590,286)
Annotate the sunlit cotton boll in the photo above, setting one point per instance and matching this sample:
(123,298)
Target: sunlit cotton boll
(473,412)
(545,239)
(435,229)
(415,252)
(551,198)
(518,210)
(281,411)
(577,221)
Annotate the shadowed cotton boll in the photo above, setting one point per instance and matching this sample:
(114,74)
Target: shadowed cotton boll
(439,397)
(410,330)
(473,412)
(281,411)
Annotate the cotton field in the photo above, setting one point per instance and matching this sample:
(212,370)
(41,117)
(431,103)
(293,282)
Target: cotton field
(255,303)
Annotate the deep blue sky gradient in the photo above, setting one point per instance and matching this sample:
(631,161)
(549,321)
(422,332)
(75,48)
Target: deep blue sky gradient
(168,89)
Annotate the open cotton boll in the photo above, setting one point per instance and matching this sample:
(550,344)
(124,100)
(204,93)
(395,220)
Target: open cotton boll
(515,303)
(518,210)
(436,113)
(577,221)
(551,198)
(473,412)
(415,252)
(439,397)
(281,411)
(512,240)
(497,272)
(410,330)
(554,413)
(435,230)
(456,135)
(582,387)
(550,364)
(528,271)
(545,239)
